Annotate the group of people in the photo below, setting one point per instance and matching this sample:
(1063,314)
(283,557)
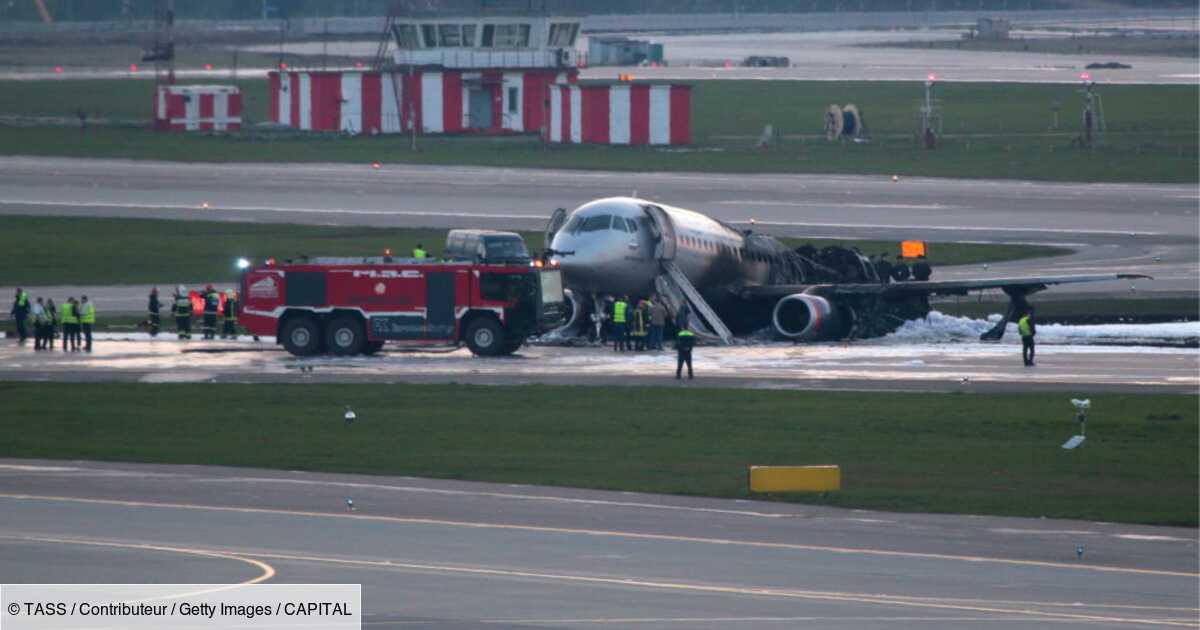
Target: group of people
(76,320)
(639,326)
(183,311)
(634,326)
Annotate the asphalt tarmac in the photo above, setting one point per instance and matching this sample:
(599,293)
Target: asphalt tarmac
(1139,228)
(447,554)
(862,366)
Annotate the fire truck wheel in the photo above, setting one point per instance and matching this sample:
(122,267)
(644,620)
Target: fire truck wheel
(485,337)
(302,336)
(345,336)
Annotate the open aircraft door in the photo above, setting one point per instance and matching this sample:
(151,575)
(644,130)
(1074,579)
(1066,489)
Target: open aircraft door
(663,231)
(557,219)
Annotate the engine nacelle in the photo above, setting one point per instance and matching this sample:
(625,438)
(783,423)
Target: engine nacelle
(805,317)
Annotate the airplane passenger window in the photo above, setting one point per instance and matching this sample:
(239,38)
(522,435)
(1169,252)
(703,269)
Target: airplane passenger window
(596,223)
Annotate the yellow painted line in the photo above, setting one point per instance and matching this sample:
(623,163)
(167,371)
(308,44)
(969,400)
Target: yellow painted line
(612,534)
(859,598)
(267,570)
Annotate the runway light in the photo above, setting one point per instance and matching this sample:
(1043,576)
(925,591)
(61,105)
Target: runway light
(58,69)
(242,263)
(375,165)
(1086,76)
(133,67)
(204,205)
(932,77)
(208,66)
(895,178)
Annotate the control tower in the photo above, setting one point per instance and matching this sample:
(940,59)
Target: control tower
(507,40)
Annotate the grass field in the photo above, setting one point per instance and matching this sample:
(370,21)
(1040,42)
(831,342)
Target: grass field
(130,251)
(978,454)
(991,130)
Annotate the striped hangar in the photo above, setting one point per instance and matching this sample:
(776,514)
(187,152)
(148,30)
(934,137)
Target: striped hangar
(608,112)
(442,101)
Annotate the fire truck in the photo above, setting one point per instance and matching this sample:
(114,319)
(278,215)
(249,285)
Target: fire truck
(349,306)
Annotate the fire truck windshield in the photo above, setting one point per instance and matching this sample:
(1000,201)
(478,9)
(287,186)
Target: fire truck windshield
(505,247)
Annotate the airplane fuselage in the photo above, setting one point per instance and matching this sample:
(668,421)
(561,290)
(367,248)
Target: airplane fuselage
(615,250)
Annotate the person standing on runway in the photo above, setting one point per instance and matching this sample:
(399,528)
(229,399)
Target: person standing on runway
(1028,330)
(153,308)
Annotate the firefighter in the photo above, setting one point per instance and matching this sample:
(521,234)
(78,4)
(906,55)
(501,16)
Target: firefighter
(921,269)
(20,311)
(52,324)
(1028,330)
(182,310)
(419,252)
(87,321)
(637,327)
(229,316)
(620,316)
(684,342)
(153,309)
(212,302)
(70,320)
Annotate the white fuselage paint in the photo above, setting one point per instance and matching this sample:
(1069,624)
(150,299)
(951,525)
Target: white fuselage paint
(617,262)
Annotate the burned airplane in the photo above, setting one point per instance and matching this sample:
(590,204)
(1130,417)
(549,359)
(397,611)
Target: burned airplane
(732,282)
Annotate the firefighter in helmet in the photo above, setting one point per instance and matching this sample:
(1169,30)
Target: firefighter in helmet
(212,303)
(229,315)
(182,310)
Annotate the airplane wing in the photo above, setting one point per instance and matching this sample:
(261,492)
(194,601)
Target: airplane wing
(1024,285)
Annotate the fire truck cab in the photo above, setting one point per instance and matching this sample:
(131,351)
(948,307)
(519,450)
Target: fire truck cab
(348,306)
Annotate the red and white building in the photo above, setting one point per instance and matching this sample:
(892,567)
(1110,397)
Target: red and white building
(608,112)
(491,75)
(432,100)
(197,108)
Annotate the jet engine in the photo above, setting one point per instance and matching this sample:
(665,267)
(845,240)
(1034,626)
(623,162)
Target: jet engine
(806,317)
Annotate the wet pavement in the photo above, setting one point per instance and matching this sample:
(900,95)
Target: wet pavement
(879,365)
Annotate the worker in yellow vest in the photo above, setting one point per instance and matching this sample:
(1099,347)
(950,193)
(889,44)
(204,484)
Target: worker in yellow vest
(684,342)
(419,252)
(1027,329)
(620,318)
(70,320)
(87,320)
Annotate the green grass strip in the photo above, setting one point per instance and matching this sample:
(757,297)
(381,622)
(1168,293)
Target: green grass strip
(960,453)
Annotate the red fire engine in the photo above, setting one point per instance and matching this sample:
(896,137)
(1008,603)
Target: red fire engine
(348,306)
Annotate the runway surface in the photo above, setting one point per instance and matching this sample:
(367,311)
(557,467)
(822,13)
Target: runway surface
(865,366)
(446,554)
(1138,228)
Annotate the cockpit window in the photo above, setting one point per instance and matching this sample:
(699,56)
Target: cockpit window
(632,225)
(572,226)
(596,223)
(618,224)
